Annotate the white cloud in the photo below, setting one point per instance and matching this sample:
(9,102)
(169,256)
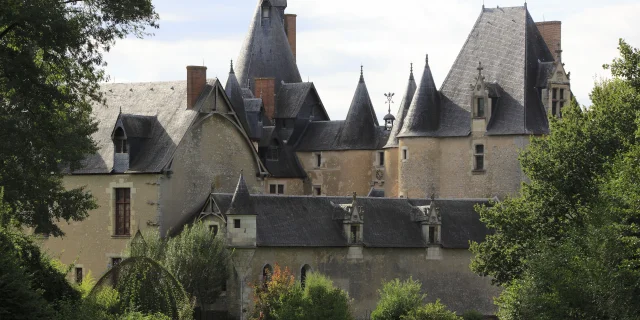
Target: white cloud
(334,39)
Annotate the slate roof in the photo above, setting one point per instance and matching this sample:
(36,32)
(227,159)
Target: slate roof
(304,221)
(234,92)
(288,165)
(376,193)
(423,115)
(509,45)
(361,125)
(407,97)
(247,94)
(325,136)
(266,52)
(242,202)
(161,117)
(290,99)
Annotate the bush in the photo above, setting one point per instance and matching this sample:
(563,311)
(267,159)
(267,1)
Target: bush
(397,299)
(431,311)
(324,301)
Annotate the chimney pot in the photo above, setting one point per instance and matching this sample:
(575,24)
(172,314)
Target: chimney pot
(196,81)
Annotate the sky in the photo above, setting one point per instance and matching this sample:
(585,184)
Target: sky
(335,37)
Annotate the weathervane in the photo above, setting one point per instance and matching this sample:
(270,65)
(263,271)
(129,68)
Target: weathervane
(389,118)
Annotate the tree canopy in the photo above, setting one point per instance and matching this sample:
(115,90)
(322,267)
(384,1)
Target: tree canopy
(568,247)
(51,64)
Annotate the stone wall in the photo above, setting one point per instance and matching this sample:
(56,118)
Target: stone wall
(342,172)
(448,279)
(92,243)
(444,167)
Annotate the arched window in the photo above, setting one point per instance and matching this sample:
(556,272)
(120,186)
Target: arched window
(304,271)
(120,141)
(267,271)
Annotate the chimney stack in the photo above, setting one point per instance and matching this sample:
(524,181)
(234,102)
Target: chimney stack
(290,29)
(196,81)
(551,32)
(265,88)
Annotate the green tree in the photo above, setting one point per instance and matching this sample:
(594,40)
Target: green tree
(324,300)
(472,315)
(568,246)
(196,257)
(51,64)
(397,299)
(431,311)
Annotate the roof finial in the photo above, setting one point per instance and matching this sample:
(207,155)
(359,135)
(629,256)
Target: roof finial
(361,73)
(120,110)
(411,67)
(231,70)
(559,52)
(427,59)
(480,68)
(354,196)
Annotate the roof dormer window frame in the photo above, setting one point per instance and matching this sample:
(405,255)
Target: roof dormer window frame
(265,11)
(120,143)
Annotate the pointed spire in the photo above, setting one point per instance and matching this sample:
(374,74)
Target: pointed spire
(241,203)
(234,92)
(231,70)
(361,74)
(402,111)
(266,52)
(361,125)
(423,116)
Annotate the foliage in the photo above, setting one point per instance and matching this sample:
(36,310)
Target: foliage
(51,64)
(397,299)
(282,298)
(142,285)
(568,247)
(196,257)
(472,315)
(324,300)
(431,311)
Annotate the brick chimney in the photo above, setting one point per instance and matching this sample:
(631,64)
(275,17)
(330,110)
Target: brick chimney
(551,32)
(290,29)
(265,88)
(196,81)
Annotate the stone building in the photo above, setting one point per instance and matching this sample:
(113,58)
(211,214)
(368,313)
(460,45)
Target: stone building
(166,150)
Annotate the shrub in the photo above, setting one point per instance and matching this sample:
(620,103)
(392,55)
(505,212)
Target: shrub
(397,299)
(431,311)
(472,315)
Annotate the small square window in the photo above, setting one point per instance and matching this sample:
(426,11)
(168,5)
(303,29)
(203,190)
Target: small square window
(381,158)
(281,189)
(272,189)
(317,190)
(236,223)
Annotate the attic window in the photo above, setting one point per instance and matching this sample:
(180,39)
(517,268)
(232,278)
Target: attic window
(265,12)
(353,238)
(120,141)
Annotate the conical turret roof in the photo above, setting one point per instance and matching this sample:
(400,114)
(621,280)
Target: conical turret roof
(241,203)
(361,125)
(402,111)
(234,92)
(266,52)
(424,113)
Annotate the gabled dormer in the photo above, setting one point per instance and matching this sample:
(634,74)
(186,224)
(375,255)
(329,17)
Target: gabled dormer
(558,86)
(130,135)
(429,218)
(241,217)
(353,221)
(484,101)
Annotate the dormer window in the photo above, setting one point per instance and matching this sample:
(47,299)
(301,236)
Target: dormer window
(274,151)
(120,141)
(265,12)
